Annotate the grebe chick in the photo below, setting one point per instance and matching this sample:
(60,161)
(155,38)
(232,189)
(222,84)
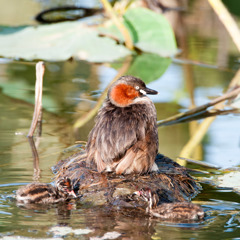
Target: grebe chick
(124,139)
(177,210)
(46,193)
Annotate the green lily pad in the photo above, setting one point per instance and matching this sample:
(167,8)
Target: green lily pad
(59,42)
(150,32)
(149,67)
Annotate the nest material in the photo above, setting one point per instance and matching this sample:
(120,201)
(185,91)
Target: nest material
(172,182)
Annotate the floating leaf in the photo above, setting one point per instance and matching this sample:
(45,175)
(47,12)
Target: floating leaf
(59,42)
(64,230)
(151,32)
(225,178)
(230,180)
(149,67)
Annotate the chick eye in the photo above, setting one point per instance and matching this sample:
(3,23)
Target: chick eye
(137,87)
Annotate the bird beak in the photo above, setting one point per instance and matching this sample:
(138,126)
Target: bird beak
(72,194)
(137,193)
(148,91)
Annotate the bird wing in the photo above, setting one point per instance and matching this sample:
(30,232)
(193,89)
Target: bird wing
(116,130)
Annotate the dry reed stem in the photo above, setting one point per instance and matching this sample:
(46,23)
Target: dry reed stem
(37,119)
(195,140)
(120,26)
(37,115)
(227,20)
(203,127)
(198,110)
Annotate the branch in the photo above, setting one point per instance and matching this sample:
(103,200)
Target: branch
(227,20)
(37,115)
(120,26)
(203,127)
(198,111)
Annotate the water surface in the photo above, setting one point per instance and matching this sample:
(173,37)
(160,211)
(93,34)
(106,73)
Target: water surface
(72,89)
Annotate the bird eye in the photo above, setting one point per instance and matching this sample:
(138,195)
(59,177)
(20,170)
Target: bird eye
(137,87)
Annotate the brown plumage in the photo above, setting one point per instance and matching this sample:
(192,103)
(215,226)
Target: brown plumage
(45,193)
(177,210)
(172,181)
(125,139)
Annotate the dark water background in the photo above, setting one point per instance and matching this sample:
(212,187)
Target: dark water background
(72,88)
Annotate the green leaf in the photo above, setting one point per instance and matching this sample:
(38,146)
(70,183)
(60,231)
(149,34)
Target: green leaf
(150,31)
(149,67)
(59,42)
(233,6)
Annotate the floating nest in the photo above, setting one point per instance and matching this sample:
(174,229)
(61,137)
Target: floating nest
(172,182)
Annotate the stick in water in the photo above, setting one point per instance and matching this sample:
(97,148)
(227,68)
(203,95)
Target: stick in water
(37,115)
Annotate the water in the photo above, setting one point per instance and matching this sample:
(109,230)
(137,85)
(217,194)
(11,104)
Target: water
(70,90)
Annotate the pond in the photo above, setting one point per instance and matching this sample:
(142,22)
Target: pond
(202,71)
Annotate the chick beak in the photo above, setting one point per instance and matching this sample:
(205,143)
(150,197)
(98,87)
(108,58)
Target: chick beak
(137,193)
(72,194)
(146,91)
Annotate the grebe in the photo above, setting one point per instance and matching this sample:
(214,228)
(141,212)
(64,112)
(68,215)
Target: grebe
(177,210)
(46,193)
(124,139)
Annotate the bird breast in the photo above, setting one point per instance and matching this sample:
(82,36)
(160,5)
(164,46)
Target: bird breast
(117,129)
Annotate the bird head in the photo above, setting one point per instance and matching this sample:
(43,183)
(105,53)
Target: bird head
(127,89)
(65,188)
(151,197)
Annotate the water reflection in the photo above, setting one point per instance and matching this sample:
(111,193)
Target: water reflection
(71,89)
(129,225)
(17,165)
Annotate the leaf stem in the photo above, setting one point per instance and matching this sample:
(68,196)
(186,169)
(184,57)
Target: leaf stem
(120,26)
